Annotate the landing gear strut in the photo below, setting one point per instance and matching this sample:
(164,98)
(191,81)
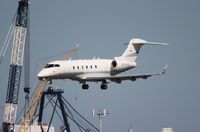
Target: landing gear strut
(50,88)
(104,85)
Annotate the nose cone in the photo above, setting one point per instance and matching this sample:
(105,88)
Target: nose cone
(41,74)
(47,74)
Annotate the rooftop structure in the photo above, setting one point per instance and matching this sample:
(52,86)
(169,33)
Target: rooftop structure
(167,130)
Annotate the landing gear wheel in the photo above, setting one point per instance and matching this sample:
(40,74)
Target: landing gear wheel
(85,86)
(50,89)
(104,86)
(49,81)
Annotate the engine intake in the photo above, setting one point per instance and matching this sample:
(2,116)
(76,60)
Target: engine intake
(114,63)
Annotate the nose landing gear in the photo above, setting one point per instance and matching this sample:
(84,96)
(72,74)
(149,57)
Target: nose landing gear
(50,88)
(49,81)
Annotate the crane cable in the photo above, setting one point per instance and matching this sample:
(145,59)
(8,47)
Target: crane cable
(8,38)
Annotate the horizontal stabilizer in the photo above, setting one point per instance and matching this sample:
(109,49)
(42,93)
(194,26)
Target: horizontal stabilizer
(141,41)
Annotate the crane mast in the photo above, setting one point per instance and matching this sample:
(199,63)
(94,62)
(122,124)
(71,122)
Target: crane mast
(19,42)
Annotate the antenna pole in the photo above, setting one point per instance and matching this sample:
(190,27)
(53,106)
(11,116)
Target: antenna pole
(101,113)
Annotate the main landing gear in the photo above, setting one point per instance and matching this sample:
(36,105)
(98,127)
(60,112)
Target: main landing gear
(85,86)
(103,86)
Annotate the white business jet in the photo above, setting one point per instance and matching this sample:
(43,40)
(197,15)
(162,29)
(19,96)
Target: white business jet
(99,70)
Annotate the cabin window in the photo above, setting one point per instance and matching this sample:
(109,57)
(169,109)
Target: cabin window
(73,67)
(86,67)
(91,66)
(77,67)
(95,66)
(82,67)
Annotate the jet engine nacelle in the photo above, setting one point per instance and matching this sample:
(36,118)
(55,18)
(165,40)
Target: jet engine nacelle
(114,63)
(118,66)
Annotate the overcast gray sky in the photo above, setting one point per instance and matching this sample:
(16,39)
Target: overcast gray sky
(101,27)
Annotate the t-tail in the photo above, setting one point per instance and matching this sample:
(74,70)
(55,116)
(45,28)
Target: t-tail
(133,48)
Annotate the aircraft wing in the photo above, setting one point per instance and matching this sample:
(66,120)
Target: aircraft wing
(118,79)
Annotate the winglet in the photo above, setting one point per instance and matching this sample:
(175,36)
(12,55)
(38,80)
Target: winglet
(164,69)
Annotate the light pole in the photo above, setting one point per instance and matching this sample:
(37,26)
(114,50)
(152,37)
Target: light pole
(101,113)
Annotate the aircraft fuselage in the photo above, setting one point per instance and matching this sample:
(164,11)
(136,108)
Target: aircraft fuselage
(84,70)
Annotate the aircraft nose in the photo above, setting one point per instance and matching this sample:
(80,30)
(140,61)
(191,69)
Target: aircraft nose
(40,74)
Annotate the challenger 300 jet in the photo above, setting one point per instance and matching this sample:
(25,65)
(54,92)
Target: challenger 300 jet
(99,70)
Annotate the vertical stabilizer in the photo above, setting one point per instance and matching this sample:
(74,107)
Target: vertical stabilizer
(133,48)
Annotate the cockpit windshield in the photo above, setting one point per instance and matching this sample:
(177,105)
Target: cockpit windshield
(51,65)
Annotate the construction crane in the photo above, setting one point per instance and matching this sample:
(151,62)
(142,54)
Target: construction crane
(17,56)
(33,107)
(20,58)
